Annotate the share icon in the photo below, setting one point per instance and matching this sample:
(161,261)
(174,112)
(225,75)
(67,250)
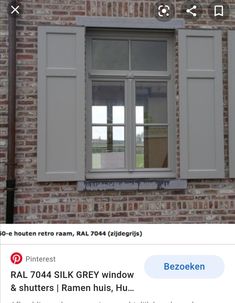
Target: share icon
(190,11)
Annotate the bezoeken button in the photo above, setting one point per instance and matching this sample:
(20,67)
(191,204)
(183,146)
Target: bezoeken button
(184,267)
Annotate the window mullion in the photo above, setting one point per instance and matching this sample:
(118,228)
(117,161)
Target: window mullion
(128,123)
(109,128)
(132,125)
(129,44)
(130,116)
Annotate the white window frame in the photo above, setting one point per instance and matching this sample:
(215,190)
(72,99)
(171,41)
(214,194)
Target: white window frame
(129,79)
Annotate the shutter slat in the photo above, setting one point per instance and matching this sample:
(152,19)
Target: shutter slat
(201,104)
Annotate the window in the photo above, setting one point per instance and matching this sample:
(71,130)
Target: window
(130,114)
(123,126)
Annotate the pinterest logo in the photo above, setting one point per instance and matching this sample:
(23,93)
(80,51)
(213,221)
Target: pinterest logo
(16,258)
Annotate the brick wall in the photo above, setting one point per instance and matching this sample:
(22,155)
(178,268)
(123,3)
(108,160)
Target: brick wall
(204,201)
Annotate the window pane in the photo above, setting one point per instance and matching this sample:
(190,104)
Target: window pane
(118,114)
(151,102)
(108,147)
(107,102)
(149,55)
(110,54)
(151,147)
(99,114)
(139,114)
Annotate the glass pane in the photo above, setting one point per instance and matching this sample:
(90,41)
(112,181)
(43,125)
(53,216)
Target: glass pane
(99,114)
(107,102)
(110,54)
(149,55)
(118,114)
(151,102)
(108,147)
(139,114)
(151,147)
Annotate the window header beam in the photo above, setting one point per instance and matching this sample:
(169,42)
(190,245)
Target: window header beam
(125,22)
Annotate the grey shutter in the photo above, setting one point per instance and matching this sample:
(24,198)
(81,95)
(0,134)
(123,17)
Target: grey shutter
(231,88)
(201,104)
(61,103)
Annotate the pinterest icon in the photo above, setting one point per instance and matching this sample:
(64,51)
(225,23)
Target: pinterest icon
(16,258)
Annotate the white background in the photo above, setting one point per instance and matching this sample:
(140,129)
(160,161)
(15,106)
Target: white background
(128,254)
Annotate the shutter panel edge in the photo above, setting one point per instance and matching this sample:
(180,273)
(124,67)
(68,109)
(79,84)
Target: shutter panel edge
(231,96)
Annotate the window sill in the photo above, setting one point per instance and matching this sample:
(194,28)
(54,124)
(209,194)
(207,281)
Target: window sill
(131,184)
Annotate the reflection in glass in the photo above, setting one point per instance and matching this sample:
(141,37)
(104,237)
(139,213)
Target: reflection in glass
(108,147)
(151,102)
(139,114)
(107,102)
(151,147)
(99,114)
(110,54)
(149,55)
(118,114)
